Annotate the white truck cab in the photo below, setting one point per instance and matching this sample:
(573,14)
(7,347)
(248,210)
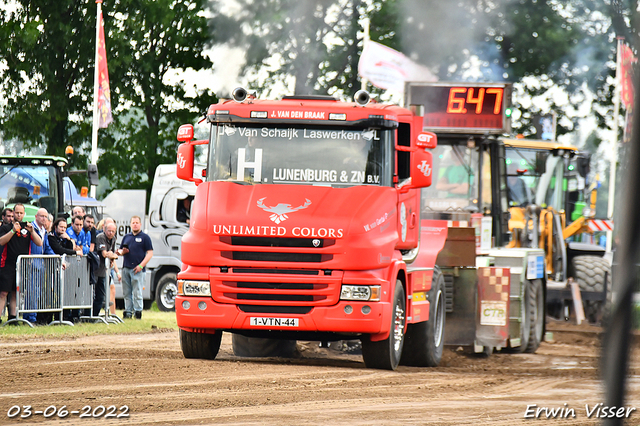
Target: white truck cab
(163,225)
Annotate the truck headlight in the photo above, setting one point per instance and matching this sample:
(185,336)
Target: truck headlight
(360,292)
(194,288)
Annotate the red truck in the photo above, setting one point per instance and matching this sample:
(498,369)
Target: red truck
(306,225)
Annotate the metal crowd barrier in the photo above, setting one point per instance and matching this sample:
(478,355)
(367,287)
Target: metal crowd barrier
(39,286)
(45,285)
(78,293)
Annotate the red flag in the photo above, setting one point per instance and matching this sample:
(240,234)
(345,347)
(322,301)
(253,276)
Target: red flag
(627,59)
(104,93)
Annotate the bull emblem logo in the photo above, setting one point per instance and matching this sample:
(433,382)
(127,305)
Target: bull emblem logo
(280,211)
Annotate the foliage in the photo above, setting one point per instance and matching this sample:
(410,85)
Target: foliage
(544,47)
(48,49)
(307,47)
(48,82)
(146,39)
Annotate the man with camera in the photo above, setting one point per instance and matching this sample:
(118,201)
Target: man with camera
(16,238)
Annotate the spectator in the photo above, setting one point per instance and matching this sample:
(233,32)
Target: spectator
(77,234)
(137,250)
(184,211)
(106,247)
(113,275)
(60,242)
(7,216)
(16,238)
(90,230)
(39,225)
(76,211)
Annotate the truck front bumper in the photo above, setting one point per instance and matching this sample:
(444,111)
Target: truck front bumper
(203,314)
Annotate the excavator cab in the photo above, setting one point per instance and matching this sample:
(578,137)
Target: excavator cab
(551,211)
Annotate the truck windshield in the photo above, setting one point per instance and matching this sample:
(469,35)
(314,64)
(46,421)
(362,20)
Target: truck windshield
(321,155)
(34,186)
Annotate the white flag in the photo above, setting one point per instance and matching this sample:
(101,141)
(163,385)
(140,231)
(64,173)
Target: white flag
(389,69)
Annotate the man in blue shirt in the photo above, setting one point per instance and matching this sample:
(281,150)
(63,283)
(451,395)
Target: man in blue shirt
(78,235)
(137,250)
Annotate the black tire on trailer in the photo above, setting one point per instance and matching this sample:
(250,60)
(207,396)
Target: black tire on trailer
(200,345)
(166,291)
(424,341)
(385,354)
(536,315)
(257,347)
(589,272)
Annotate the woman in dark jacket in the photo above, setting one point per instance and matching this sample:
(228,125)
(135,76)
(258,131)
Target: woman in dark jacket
(60,241)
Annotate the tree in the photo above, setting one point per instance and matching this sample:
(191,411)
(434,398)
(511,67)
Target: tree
(539,45)
(310,47)
(48,50)
(48,81)
(146,39)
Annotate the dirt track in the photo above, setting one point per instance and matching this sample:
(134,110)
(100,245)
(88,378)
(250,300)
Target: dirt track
(148,373)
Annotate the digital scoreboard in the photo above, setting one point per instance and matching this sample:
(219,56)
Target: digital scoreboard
(479,108)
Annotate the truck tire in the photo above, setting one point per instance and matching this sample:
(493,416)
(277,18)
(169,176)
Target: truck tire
(257,347)
(200,345)
(536,315)
(424,341)
(589,272)
(385,354)
(166,291)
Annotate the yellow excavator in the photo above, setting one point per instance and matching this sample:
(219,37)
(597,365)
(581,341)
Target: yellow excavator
(550,205)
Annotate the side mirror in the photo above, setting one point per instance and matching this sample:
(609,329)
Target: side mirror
(184,162)
(427,140)
(583,164)
(541,162)
(92,174)
(421,169)
(185,133)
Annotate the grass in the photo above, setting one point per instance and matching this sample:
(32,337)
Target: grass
(152,319)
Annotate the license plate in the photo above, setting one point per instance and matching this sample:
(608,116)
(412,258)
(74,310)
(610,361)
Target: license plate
(273,322)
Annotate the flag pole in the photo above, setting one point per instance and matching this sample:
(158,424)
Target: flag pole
(96,117)
(614,154)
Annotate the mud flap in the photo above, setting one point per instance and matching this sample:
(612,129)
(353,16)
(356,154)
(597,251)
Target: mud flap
(492,325)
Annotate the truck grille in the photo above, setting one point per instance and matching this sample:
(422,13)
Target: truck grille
(262,287)
(252,309)
(278,242)
(267,249)
(276,257)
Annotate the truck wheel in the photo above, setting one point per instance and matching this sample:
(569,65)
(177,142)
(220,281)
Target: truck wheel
(589,272)
(166,292)
(200,345)
(385,354)
(536,315)
(257,347)
(424,341)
